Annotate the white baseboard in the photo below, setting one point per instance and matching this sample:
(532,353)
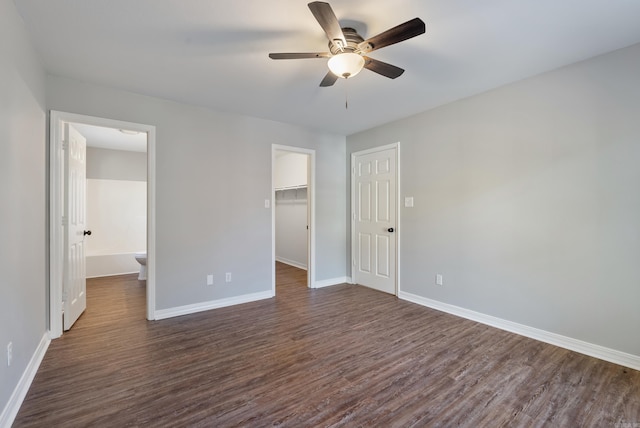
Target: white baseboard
(213,304)
(291,263)
(332,281)
(17,397)
(114,274)
(590,349)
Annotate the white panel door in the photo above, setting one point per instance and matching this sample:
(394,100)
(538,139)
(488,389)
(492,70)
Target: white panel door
(74,284)
(374,219)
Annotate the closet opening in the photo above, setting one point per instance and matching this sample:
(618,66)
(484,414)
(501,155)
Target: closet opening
(292,170)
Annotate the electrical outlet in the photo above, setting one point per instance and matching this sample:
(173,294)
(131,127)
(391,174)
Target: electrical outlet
(438,279)
(210,279)
(9,353)
(227,277)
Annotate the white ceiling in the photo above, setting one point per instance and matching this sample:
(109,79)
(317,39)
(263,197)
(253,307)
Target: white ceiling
(214,53)
(110,138)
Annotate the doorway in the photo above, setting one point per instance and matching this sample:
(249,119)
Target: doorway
(116,200)
(60,125)
(374,205)
(293,231)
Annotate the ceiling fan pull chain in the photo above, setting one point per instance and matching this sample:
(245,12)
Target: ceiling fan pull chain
(346,94)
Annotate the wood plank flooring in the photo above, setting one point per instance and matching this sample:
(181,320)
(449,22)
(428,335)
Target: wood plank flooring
(340,356)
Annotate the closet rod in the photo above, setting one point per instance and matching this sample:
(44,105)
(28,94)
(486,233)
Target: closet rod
(303,186)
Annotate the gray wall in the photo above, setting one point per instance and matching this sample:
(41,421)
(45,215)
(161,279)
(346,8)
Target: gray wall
(527,201)
(213,173)
(109,164)
(22,195)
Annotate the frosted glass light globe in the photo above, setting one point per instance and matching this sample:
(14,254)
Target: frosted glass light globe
(346,64)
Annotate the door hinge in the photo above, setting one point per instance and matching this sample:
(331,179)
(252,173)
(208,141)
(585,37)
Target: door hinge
(353,170)
(64,296)
(65,221)
(354,262)
(353,216)
(65,144)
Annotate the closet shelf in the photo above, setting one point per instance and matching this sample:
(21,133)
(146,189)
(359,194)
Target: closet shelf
(302,186)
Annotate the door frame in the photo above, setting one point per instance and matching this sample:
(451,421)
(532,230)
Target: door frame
(397,234)
(56,205)
(311,214)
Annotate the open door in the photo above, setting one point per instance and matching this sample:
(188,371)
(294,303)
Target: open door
(74,294)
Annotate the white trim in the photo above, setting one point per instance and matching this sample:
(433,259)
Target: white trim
(17,397)
(151,222)
(56,191)
(56,239)
(398,222)
(114,274)
(311,207)
(291,263)
(333,281)
(395,146)
(590,349)
(213,304)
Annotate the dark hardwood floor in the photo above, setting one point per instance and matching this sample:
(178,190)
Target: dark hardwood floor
(338,356)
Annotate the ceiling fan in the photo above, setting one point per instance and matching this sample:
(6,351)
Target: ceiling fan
(347,49)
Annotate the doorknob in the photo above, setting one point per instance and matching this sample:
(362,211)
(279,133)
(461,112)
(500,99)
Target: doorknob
(390,230)
(87,232)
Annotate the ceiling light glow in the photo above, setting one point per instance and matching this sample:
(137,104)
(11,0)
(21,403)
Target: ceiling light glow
(346,64)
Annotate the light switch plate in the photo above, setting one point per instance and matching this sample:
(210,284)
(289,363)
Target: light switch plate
(408,202)
(9,353)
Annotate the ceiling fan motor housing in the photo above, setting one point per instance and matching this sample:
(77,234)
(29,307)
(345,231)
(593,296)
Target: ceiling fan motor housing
(352,38)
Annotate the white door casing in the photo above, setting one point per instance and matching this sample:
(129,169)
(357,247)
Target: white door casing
(75,284)
(374,218)
(57,231)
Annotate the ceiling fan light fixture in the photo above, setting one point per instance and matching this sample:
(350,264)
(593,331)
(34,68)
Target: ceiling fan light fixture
(346,64)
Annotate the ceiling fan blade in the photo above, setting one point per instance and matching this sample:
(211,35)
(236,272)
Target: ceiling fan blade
(405,31)
(327,19)
(382,68)
(299,55)
(328,80)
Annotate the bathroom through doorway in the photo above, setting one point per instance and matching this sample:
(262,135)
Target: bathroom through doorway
(102,209)
(116,201)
